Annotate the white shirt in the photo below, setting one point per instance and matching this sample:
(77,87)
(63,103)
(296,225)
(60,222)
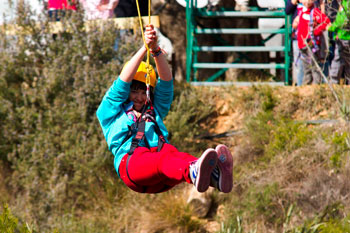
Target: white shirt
(92,12)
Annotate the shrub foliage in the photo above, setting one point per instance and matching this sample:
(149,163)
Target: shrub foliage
(59,168)
(51,86)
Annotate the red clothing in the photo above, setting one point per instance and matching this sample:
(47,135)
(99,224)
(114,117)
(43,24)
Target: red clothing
(149,171)
(320,22)
(60,5)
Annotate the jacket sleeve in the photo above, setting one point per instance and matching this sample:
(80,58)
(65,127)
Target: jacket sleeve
(163,97)
(290,8)
(111,104)
(322,21)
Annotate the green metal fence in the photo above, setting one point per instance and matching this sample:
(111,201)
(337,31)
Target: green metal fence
(194,30)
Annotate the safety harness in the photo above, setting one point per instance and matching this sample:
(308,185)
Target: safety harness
(138,128)
(147,115)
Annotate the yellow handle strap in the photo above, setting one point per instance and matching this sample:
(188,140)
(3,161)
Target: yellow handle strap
(148,79)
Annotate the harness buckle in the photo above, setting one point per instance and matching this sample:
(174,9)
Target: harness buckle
(132,128)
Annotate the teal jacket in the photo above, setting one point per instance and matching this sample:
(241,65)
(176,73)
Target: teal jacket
(114,121)
(341,25)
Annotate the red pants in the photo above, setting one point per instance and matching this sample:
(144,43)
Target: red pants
(149,171)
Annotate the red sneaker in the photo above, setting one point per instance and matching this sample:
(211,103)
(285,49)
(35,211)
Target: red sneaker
(221,177)
(200,170)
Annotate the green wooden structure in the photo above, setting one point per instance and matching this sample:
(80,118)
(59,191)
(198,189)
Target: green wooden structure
(194,30)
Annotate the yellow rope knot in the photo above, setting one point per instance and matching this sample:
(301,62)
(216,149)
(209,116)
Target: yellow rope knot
(148,76)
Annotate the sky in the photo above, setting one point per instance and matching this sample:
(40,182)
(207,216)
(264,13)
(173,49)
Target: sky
(8,13)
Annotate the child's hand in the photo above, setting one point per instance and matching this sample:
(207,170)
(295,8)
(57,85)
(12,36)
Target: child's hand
(102,7)
(295,22)
(151,37)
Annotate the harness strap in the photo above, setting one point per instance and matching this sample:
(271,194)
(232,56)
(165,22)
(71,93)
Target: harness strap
(147,114)
(140,125)
(161,139)
(140,135)
(132,129)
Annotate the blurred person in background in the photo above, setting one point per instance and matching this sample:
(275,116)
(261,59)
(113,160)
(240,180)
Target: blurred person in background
(242,5)
(341,29)
(297,70)
(57,8)
(310,23)
(332,7)
(99,9)
(128,8)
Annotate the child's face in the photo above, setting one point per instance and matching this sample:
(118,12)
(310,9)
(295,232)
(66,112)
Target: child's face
(138,97)
(307,3)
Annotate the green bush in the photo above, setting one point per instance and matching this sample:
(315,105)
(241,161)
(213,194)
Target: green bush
(51,87)
(9,223)
(340,150)
(258,129)
(59,166)
(335,226)
(271,134)
(327,221)
(190,115)
(287,136)
(265,201)
(257,98)
(257,203)
(259,126)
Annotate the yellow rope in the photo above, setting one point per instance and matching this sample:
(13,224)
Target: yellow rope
(148,78)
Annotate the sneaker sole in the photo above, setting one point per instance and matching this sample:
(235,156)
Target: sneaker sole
(225,164)
(207,165)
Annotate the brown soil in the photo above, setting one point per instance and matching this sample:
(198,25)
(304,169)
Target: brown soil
(302,102)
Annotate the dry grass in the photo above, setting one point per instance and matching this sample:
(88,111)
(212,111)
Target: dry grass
(5,194)
(298,173)
(266,182)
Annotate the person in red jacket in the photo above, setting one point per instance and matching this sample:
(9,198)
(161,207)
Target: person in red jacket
(311,23)
(57,8)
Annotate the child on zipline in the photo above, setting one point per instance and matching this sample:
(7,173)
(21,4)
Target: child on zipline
(132,123)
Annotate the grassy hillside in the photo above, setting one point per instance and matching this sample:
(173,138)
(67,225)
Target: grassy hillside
(56,173)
